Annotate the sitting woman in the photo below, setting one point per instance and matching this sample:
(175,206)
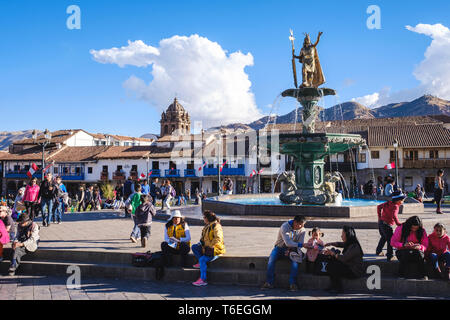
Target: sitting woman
(177,239)
(410,239)
(438,251)
(349,264)
(211,245)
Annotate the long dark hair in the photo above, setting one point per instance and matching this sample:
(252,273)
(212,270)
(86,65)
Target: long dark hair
(350,239)
(406,228)
(210,216)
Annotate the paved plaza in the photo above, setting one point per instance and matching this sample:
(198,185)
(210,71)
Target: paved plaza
(108,231)
(54,288)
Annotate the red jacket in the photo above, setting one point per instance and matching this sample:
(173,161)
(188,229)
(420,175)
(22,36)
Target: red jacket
(438,245)
(388,212)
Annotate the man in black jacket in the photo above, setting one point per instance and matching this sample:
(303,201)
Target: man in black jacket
(47,194)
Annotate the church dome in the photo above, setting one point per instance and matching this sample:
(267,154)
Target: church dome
(176,106)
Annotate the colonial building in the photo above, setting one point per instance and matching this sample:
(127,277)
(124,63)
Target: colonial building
(175,120)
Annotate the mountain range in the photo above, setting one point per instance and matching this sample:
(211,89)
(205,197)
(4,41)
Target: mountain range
(423,106)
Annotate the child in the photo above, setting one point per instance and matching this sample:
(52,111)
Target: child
(387,218)
(438,250)
(144,216)
(314,246)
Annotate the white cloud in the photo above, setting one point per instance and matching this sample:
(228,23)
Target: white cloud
(368,100)
(210,83)
(433,72)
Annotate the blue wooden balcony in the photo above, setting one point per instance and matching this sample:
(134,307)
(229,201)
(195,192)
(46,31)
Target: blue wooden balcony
(225,171)
(156,173)
(189,172)
(172,173)
(21,174)
(71,172)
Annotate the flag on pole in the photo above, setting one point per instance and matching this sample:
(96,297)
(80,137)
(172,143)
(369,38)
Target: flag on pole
(150,173)
(203,165)
(390,166)
(48,167)
(221,167)
(142,176)
(260,171)
(253,173)
(32,170)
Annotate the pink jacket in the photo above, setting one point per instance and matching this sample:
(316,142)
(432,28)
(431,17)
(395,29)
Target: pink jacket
(31,193)
(438,245)
(4,235)
(396,239)
(312,254)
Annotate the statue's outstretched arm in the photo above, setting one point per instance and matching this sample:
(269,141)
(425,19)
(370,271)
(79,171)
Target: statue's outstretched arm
(318,38)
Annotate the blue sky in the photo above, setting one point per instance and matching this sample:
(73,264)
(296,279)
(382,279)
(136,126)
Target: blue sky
(49,79)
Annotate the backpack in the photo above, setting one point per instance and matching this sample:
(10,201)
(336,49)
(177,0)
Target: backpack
(173,193)
(149,259)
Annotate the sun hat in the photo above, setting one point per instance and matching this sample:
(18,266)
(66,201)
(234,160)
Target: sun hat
(397,195)
(175,214)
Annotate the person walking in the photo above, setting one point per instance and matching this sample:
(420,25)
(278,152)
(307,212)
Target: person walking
(128,188)
(439,190)
(80,198)
(134,204)
(47,194)
(155,191)
(169,194)
(145,187)
(31,198)
(144,215)
(58,204)
(387,218)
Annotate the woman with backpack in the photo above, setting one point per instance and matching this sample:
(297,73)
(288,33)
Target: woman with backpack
(411,240)
(210,247)
(349,264)
(177,238)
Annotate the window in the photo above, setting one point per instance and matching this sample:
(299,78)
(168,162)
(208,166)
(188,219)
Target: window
(119,168)
(155,165)
(66,170)
(411,154)
(89,170)
(103,143)
(375,154)
(172,165)
(55,170)
(434,154)
(362,158)
(408,181)
(134,168)
(392,156)
(105,169)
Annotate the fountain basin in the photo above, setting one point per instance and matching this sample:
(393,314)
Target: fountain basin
(268,204)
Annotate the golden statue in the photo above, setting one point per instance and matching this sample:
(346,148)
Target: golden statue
(312,74)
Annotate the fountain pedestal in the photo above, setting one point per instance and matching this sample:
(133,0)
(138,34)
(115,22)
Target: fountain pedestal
(309,150)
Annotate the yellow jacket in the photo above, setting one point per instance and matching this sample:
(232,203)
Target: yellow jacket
(212,236)
(180,232)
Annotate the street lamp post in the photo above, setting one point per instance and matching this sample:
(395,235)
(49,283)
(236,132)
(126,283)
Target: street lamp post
(396,161)
(47,138)
(148,178)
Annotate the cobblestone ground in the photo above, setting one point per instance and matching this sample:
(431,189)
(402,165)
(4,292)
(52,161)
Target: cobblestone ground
(54,288)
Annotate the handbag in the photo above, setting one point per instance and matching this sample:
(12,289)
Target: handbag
(209,252)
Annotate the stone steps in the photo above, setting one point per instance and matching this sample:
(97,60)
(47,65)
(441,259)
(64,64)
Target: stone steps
(389,285)
(249,271)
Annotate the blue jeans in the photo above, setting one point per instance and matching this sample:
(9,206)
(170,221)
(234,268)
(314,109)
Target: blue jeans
(435,259)
(276,254)
(136,232)
(57,210)
(47,204)
(202,260)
